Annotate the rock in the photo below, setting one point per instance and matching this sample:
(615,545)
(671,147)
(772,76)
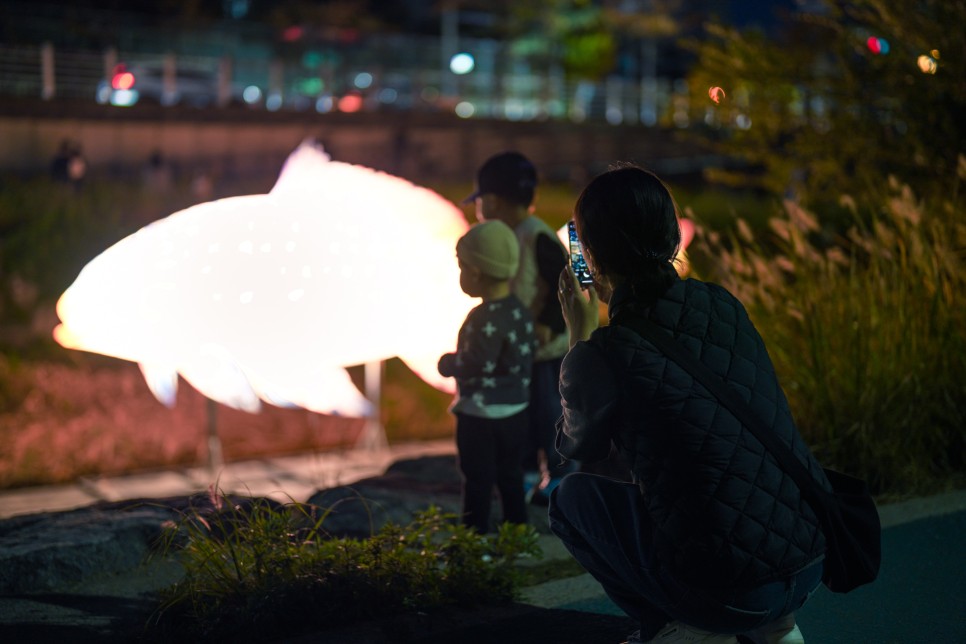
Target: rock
(440,470)
(408,486)
(50,551)
(53,550)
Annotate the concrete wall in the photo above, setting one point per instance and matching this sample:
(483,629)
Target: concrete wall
(243,143)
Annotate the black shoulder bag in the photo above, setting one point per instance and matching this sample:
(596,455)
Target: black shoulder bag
(850,521)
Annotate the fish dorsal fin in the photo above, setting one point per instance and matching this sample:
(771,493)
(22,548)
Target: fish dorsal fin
(301,168)
(162,381)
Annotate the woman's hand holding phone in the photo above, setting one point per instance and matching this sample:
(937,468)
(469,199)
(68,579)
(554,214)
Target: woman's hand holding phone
(577,261)
(580,310)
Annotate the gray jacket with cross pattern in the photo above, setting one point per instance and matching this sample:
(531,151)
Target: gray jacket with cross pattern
(494,359)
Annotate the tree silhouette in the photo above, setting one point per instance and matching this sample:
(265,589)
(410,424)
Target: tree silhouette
(837,102)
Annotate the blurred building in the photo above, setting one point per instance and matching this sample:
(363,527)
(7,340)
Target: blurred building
(616,61)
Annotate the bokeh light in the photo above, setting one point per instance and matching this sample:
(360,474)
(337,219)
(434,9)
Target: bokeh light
(927,64)
(123,80)
(877,45)
(363,80)
(350,103)
(252,94)
(292,33)
(716,94)
(124,97)
(388,95)
(462,63)
(465,109)
(324,104)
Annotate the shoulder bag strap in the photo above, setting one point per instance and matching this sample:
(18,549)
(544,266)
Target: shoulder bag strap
(730,399)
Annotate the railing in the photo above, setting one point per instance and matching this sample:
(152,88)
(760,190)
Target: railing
(396,73)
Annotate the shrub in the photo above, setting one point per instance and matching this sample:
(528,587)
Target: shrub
(866,332)
(260,568)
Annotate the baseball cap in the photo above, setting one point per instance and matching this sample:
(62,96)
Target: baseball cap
(492,248)
(509,175)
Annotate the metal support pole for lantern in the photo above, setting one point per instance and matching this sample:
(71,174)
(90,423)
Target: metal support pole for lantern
(373,436)
(215,457)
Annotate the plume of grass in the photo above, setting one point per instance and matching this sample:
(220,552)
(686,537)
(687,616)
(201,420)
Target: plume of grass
(866,330)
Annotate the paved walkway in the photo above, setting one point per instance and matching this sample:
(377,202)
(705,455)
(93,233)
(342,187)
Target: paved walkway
(281,478)
(919,597)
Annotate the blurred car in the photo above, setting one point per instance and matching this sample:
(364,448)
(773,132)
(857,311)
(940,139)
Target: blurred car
(146,83)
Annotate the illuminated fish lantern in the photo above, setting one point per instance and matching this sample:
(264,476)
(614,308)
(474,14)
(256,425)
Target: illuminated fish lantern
(268,297)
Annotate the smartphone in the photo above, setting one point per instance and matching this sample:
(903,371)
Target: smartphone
(577,261)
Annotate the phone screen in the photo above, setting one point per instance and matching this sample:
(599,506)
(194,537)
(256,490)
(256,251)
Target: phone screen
(577,261)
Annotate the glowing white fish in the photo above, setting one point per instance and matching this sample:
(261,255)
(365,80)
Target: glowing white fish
(268,297)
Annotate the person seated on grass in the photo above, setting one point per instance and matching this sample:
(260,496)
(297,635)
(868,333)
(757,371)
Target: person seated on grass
(712,539)
(492,366)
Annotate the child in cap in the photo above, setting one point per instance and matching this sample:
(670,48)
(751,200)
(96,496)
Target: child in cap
(506,184)
(492,366)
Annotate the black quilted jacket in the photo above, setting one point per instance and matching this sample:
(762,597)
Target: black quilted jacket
(724,515)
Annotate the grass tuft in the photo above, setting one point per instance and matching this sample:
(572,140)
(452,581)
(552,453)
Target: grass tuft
(259,569)
(865,326)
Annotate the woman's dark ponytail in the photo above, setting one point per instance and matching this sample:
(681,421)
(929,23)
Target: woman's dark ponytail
(653,279)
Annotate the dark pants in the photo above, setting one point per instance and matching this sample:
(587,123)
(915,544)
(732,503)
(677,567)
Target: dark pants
(604,526)
(490,454)
(545,409)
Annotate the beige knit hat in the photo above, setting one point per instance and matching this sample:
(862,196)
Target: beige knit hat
(492,248)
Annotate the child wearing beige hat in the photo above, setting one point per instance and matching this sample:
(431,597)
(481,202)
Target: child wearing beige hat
(492,365)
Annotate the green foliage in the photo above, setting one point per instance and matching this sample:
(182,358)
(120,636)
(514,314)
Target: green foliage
(49,231)
(45,227)
(866,332)
(412,409)
(573,34)
(719,208)
(858,297)
(815,111)
(14,386)
(263,569)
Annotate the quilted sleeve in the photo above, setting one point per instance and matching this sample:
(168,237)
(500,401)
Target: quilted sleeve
(589,397)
